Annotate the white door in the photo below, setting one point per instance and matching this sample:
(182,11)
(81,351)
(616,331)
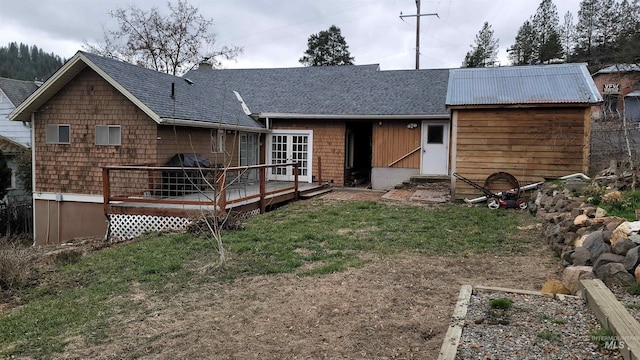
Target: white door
(435,148)
(288,146)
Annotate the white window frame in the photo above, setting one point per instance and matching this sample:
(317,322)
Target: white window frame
(217,141)
(116,141)
(268,157)
(52,135)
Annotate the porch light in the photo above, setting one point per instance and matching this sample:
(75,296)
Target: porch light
(412,125)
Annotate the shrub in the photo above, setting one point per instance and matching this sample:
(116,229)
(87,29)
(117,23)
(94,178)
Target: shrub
(501,303)
(15,265)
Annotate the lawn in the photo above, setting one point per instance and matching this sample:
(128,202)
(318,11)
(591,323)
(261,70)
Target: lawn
(308,239)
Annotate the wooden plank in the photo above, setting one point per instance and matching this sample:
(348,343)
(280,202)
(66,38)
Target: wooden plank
(452,337)
(613,316)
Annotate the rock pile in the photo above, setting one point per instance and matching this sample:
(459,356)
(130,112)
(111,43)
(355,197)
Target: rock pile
(589,243)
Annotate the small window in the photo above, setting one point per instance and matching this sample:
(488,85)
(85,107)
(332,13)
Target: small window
(217,141)
(58,134)
(109,135)
(435,134)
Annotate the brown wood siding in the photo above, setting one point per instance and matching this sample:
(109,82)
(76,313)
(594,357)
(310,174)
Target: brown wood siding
(87,101)
(530,144)
(176,139)
(392,140)
(328,143)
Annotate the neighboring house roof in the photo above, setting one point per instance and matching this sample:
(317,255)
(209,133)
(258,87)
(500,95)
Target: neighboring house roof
(150,90)
(17,90)
(13,93)
(333,91)
(619,68)
(522,85)
(9,146)
(635,93)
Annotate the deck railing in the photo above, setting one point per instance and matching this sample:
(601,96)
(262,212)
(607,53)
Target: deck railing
(201,186)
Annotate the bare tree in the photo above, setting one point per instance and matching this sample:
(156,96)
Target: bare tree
(170,43)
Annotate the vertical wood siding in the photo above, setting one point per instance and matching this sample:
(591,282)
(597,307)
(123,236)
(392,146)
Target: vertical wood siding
(393,140)
(530,144)
(176,139)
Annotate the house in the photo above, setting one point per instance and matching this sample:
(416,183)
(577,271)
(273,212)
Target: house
(342,125)
(532,122)
(15,137)
(360,123)
(95,112)
(619,86)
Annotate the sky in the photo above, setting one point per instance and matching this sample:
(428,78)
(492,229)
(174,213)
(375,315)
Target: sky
(274,33)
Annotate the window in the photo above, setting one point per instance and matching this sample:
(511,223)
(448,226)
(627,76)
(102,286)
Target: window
(108,135)
(611,103)
(435,134)
(14,179)
(58,134)
(217,140)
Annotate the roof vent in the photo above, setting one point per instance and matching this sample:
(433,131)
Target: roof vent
(205,66)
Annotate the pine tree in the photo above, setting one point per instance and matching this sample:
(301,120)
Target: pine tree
(485,50)
(545,25)
(523,52)
(21,62)
(327,48)
(587,27)
(629,36)
(567,33)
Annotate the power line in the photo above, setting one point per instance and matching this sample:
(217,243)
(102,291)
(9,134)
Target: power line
(418,15)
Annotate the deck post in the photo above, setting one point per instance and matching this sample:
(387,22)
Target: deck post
(263,187)
(319,170)
(222,188)
(106,189)
(296,166)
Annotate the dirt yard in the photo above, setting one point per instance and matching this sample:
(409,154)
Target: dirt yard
(395,307)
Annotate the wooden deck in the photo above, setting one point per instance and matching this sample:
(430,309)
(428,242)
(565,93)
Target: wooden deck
(143,190)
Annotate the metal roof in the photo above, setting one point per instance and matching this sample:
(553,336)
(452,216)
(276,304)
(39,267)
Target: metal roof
(522,85)
(619,68)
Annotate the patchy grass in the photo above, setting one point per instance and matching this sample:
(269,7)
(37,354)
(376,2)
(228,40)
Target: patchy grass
(501,303)
(549,336)
(77,298)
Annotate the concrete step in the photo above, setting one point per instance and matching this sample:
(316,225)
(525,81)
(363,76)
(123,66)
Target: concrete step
(309,195)
(425,179)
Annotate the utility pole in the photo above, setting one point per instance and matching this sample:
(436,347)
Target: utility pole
(417,16)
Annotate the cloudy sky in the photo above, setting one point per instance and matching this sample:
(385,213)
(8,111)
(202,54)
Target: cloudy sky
(274,33)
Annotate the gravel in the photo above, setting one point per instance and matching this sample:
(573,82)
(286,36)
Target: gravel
(630,302)
(534,327)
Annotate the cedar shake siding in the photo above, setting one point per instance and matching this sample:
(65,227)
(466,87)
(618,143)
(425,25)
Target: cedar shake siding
(328,144)
(87,101)
(531,144)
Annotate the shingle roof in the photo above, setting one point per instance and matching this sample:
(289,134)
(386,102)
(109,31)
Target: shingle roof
(619,68)
(17,90)
(341,90)
(540,84)
(197,101)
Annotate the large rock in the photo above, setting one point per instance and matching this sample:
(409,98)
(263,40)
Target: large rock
(600,213)
(580,220)
(581,257)
(624,230)
(572,275)
(554,286)
(622,246)
(596,245)
(580,241)
(607,258)
(615,274)
(632,259)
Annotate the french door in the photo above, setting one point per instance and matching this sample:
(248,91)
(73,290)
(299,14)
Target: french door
(287,146)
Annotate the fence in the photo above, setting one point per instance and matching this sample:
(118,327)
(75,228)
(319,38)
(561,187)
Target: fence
(16,217)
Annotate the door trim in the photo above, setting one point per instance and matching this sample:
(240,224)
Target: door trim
(309,177)
(446,139)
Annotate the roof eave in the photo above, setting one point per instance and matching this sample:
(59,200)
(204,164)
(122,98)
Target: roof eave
(519,106)
(62,77)
(211,125)
(350,117)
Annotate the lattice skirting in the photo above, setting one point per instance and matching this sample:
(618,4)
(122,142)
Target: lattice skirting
(125,227)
